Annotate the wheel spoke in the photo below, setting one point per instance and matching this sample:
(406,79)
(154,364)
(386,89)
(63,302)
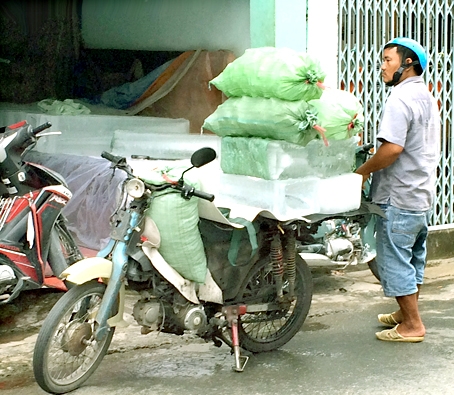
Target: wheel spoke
(260,331)
(66,352)
(63,366)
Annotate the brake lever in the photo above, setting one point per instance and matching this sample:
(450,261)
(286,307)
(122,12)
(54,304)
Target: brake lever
(42,134)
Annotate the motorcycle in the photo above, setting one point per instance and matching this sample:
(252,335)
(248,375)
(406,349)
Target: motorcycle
(343,239)
(256,294)
(35,244)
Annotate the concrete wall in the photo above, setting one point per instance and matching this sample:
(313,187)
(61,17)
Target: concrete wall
(440,242)
(166,25)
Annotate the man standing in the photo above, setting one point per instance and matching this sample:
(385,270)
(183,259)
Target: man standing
(403,184)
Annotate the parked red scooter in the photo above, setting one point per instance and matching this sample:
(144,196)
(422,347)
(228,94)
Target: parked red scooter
(35,244)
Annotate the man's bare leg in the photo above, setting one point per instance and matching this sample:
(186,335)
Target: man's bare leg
(398,314)
(411,324)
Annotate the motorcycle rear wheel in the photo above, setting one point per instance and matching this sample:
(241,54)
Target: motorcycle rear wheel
(66,353)
(266,331)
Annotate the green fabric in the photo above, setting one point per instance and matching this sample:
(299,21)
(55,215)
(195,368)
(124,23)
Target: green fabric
(177,220)
(65,107)
(272,72)
(237,237)
(272,118)
(340,113)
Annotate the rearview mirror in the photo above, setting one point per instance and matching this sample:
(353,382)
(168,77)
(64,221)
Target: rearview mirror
(203,156)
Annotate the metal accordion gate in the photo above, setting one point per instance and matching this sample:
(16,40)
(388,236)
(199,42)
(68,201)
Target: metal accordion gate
(365,26)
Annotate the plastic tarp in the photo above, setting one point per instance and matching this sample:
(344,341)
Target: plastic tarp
(184,91)
(177,89)
(123,96)
(95,189)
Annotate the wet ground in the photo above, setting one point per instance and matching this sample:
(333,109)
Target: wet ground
(335,352)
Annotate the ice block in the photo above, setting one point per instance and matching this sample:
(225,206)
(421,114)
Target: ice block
(280,160)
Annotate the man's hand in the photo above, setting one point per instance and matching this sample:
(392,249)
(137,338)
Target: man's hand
(365,177)
(385,156)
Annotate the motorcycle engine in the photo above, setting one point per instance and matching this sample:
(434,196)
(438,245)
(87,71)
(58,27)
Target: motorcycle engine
(148,313)
(153,314)
(191,317)
(339,249)
(343,243)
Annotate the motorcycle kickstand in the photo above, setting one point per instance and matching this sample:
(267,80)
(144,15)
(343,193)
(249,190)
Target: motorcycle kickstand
(232,313)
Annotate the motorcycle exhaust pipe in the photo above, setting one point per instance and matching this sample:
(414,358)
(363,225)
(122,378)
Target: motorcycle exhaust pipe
(319,260)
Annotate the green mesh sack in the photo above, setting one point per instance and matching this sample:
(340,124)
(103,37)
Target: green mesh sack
(340,113)
(272,72)
(177,220)
(272,118)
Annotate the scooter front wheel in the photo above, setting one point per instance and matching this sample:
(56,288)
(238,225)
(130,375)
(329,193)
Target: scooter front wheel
(66,352)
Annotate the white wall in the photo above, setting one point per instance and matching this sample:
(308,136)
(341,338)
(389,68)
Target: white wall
(322,35)
(166,25)
(291,27)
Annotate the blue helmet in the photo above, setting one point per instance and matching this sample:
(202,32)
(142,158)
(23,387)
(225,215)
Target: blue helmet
(414,46)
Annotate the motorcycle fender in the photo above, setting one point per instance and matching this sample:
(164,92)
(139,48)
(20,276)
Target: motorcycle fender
(93,268)
(88,269)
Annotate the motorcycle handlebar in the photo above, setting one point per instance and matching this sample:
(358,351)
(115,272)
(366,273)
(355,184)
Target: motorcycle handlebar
(187,191)
(40,128)
(110,157)
(367,147)
(204,195)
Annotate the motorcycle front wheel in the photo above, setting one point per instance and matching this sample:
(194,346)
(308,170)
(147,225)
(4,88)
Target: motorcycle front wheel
(66,352)
(266,331)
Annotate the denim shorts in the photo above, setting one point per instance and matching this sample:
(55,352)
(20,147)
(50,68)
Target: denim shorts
(401,249)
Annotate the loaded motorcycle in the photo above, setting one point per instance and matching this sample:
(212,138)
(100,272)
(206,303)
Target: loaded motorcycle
(35,244)
(258,301)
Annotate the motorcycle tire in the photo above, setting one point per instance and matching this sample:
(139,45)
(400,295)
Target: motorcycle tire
(64,250)
(66,353)
(374,268)
(266,331)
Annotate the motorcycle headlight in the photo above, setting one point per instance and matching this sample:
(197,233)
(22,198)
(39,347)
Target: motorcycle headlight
(135,188)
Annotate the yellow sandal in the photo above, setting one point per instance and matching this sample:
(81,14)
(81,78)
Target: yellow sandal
(388,320)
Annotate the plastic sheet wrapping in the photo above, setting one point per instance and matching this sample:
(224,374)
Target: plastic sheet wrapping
(95,188)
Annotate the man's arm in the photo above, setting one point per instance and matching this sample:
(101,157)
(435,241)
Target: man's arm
(385,156)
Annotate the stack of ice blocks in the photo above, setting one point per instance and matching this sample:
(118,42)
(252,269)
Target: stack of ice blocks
(287,180)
